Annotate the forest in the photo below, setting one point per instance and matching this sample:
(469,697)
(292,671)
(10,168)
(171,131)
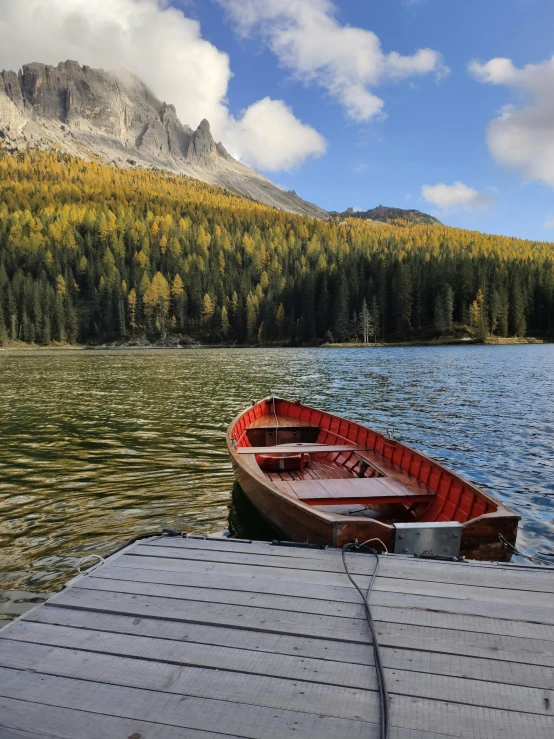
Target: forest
(90,253)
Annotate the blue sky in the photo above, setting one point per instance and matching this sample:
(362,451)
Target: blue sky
(441,105)
(434,131)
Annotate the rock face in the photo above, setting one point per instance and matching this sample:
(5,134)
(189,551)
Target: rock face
(84,112)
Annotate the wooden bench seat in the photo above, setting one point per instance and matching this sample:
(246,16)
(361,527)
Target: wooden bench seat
(357,490)
(282,422)
(297,448)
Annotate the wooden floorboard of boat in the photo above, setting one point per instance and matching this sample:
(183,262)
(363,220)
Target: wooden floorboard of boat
(215,638)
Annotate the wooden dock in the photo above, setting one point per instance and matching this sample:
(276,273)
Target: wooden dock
(178,638)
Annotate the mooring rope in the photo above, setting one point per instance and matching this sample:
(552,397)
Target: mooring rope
(381,681)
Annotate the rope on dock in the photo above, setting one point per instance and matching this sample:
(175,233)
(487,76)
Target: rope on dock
(381,681)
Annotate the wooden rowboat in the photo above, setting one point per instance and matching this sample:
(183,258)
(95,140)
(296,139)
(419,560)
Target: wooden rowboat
(319,478)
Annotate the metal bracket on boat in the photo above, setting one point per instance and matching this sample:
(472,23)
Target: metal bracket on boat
(428,539)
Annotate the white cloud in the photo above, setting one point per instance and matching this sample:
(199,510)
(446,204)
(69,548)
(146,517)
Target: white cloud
(549,223)
(346,61)
(272,135)
(453,196)
(166,50)
(522,136)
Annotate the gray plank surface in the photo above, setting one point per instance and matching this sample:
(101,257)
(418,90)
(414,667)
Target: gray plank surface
(468,572)
(390,634)
(178,637)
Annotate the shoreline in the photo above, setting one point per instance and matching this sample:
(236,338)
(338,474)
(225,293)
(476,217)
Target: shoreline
(20,346)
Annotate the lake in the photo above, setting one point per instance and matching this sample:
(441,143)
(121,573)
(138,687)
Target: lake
(97,447)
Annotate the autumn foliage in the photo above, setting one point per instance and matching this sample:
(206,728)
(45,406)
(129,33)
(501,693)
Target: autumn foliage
(90,252)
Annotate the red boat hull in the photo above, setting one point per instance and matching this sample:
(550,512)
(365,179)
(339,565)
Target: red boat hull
(445,495)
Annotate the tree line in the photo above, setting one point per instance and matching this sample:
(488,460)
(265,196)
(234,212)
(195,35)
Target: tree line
(90,252)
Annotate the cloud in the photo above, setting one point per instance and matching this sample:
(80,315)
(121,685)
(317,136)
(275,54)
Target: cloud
(522,136)
(346,61)
(549,223)
(458,195)
(163,47)
(274,137)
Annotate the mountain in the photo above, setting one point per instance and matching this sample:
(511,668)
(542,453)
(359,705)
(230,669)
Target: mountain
(92,113)
(390,215)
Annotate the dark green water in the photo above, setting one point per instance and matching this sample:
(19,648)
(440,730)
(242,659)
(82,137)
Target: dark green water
(98,447)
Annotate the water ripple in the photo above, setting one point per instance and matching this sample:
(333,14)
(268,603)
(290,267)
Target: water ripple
(99,447)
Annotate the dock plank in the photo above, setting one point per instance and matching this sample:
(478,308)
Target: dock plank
(450,590)
(19,720)
(407,610)
(453,718)
(467,572)
(408,590)
(354,675)
(357,564)
(470,643)
(181,637)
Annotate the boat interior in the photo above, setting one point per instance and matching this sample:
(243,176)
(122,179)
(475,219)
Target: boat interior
(341,467)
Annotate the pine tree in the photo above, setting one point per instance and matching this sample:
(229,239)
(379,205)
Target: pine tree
(479,316)
(519,324)
(444,309)
(224,323)
(367,328)
(132,303)
(375,317)
(280,321)
(342,319)
(3,332)
(251,318)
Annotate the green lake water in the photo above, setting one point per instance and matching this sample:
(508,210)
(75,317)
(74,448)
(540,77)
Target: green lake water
(97,447)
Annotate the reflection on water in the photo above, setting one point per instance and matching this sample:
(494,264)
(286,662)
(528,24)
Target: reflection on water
(244,520)
(98,447)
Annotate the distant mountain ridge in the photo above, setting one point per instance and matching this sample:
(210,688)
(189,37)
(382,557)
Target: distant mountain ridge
(92,113)
(387,215)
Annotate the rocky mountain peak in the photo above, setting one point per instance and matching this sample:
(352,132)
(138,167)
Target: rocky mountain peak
(84,111)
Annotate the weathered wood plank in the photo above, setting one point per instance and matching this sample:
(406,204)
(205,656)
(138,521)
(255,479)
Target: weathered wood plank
(206,714)
(212,594)
(188,680)
(251,722)
(198,655)
(427,597)
(7,732)
(67,723)
(468,573)
(359,566)
(293,589)
(390,634)
(110,578)
(325,671)
(279,622)
(260,690)
(216,613)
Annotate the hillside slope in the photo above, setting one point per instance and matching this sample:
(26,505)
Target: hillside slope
(91,252)
(92,113)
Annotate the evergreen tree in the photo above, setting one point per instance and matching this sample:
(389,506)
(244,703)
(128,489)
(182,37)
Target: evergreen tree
(367,328)
(225,327)
(3,331)
(342,319)
(444,309)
